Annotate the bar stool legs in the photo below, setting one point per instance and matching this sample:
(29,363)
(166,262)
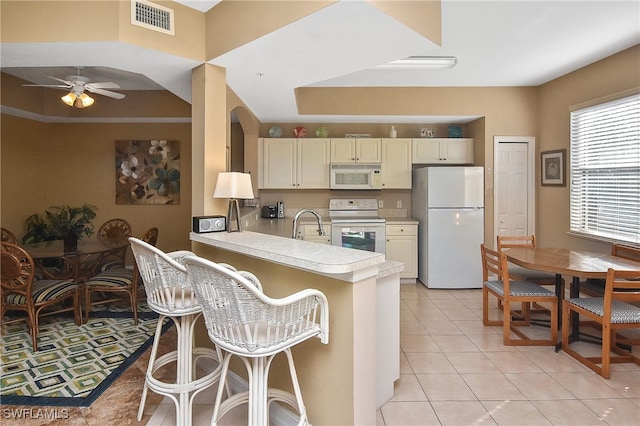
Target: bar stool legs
(259,396)
(186,386)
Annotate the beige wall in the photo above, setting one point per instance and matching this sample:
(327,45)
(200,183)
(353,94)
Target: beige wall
(45,164)
(541,112)
(617,73)
(108,21)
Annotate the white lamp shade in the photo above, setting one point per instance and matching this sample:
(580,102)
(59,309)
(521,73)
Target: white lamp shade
(233,185)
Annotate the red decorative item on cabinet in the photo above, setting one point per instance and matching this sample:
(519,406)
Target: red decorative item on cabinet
(300,132)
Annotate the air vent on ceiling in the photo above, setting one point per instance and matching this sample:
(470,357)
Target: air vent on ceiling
(152,16)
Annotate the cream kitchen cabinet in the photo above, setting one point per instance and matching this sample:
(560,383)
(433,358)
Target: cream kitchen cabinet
(287,163)
(396,163)
(442,151)
(310,233)
(356,150)
(402,246)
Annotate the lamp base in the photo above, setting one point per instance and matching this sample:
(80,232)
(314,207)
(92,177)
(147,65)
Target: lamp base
(234,209)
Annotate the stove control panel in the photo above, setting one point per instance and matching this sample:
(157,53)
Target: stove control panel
(353,204)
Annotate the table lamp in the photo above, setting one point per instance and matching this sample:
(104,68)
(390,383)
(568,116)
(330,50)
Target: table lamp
(233,185)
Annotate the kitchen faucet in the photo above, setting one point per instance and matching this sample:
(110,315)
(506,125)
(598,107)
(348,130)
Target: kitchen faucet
(300,213)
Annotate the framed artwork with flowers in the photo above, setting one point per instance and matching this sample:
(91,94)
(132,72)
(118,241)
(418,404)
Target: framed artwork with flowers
(148,172)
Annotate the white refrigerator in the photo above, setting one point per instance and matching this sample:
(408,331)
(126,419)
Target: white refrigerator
(448,202)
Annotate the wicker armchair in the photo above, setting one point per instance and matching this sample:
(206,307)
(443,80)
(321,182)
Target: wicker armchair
(117,280)
(19,291)
(8,236)
(242,321)
(110,230)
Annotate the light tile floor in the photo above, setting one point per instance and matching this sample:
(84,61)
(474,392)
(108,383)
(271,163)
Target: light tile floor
(454,371)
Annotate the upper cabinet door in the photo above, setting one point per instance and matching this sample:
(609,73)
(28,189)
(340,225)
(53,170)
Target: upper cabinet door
(368,150)
(443,151)
(279,163)
(457,150)
(343,150)
(313,163)
(356,150)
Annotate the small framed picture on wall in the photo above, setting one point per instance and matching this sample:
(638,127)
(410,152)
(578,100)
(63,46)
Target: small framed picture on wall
(553,170)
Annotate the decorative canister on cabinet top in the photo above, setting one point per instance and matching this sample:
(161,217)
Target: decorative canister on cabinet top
(300,132)
(393,133)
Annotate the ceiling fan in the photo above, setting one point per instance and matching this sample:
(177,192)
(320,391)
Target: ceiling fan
(77,84)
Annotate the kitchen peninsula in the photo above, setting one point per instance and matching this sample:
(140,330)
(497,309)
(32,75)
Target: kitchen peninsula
(345,381)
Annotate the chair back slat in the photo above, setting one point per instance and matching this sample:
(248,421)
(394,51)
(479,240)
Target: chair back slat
(495,263)
(504,241)
(623,286)
(626,252)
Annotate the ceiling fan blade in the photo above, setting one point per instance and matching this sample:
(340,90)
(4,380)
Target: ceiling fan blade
(61,86)
(103,85)
(68,83)
(105,92)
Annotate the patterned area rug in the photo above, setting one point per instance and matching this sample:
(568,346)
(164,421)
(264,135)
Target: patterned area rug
(73,365)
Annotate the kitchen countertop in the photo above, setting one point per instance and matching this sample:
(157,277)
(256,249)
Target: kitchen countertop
(283,228)
(337,262)
(401,221)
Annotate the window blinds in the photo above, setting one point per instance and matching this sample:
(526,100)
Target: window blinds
(605,170)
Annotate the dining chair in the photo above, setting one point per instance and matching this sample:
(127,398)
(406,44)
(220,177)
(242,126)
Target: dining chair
(21,292)
(8,236)
(114,229)
(596,287)
(117,280)
(520,272)
(616,310)
(242,321)
(169,294)
(498,282)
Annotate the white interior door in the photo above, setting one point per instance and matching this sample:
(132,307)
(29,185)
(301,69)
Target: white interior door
(514,186)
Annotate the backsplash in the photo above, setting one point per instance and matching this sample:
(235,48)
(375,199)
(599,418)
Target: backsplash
(393,213)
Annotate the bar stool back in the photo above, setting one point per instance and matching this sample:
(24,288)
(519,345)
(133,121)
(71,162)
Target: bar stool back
(243,321)
(170,295)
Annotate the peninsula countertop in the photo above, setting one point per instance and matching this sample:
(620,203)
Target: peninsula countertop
(338,262)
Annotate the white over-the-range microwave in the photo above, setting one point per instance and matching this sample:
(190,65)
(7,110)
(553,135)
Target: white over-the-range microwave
(356,176)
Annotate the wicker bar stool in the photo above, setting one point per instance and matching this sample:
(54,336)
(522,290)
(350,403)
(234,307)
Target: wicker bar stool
(170,295)
(243,321)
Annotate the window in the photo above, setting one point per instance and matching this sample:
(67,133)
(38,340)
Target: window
(605,170)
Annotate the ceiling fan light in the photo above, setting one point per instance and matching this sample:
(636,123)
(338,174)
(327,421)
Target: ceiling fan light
(69,98)
(86,100)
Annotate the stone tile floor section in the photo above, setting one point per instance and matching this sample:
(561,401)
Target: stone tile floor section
(454,371)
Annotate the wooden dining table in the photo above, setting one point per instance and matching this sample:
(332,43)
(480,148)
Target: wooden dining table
(579,264)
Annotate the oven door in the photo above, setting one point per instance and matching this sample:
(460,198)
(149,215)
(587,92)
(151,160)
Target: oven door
(359,236)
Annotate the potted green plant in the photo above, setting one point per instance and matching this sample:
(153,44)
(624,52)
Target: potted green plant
(60,223)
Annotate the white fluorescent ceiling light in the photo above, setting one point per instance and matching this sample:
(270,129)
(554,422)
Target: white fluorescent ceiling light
(421,62)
